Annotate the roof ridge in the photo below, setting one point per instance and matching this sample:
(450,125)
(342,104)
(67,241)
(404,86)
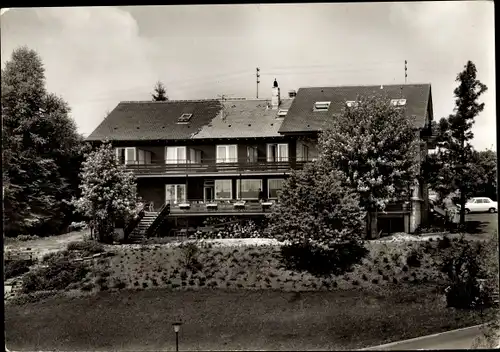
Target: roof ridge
(167,102)
(367,85)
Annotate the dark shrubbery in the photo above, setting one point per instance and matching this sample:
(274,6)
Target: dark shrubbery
(444,243)
(322,262)
(464,269)
(57,276)
(190,257)
(17,267)
(414,259)
(86,248)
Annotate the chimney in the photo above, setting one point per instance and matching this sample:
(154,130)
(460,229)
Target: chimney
(292,94)
(275,97)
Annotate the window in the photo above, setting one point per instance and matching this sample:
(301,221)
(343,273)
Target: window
(486,200)
(398,102)
(248,189)
(277,152)
(227,154)
(194,156)
(126,155)
(321,106)
(252,154)
(141,157)
(176,155)
(175,194)
(184,118)
(274,186)
(282,112)
(223,189)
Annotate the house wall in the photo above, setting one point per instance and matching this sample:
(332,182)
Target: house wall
(208,150)
(153,189)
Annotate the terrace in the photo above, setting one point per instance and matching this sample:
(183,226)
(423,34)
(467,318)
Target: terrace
(229,207)
(241,207)
(214,166)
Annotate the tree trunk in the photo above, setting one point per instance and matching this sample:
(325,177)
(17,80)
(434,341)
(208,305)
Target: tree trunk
(463,200)
(372,225)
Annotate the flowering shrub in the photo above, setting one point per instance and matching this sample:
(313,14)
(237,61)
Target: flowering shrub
(108,191)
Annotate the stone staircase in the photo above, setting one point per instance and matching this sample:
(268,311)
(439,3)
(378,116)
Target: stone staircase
(139,233)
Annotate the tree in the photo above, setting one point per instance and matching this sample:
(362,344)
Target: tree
(453,166)
(160,93)
(108,191)
(41,149)
(374,146)
(319,219)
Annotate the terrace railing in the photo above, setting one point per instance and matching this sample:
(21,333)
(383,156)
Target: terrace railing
(220,206)
(215,166)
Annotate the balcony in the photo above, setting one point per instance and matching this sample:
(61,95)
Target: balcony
(213,166)
(229,207)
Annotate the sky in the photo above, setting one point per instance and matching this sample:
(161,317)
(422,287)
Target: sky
(96,57)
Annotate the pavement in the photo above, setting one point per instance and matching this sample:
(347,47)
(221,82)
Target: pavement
(452,340)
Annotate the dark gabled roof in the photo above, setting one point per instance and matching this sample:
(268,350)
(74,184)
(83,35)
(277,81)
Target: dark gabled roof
(245,118)
(145,120)
(302,118)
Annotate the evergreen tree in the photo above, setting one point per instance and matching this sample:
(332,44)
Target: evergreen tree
(453,166)
(160,93)
(320,221)
(108,191)
(41,150)
(374,145)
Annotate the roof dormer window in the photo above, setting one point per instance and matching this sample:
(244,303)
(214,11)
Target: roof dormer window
(282,113)
(352,103)
(321,106)
(398,102)
(184,118)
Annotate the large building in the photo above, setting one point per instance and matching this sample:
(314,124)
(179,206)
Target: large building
(230,157)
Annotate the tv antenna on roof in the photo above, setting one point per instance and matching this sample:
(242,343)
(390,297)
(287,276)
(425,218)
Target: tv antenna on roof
(406,71)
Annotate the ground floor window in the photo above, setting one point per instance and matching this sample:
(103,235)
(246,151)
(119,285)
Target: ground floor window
(274,186)
(248,189)
(175,193)
(223,189)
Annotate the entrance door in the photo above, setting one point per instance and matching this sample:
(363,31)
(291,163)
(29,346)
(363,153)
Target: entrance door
(175,194)
(208,194)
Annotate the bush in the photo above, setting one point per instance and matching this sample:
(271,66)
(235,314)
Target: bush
(444,243)
(27,237)
(464,270)
(414,259)
(321,220)
(87,248)
(322,262)
(58,275)
(16,267)
(190,257)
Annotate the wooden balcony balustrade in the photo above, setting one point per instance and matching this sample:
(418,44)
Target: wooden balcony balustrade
(220,206)
(215,166)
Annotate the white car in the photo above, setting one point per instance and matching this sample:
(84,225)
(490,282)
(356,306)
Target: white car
(480,204)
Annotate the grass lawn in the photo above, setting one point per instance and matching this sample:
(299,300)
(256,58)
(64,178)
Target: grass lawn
(220,319)
(45,245)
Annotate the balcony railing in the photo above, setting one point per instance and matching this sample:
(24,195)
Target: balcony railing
(215,166)
(250,206)
(219,206)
